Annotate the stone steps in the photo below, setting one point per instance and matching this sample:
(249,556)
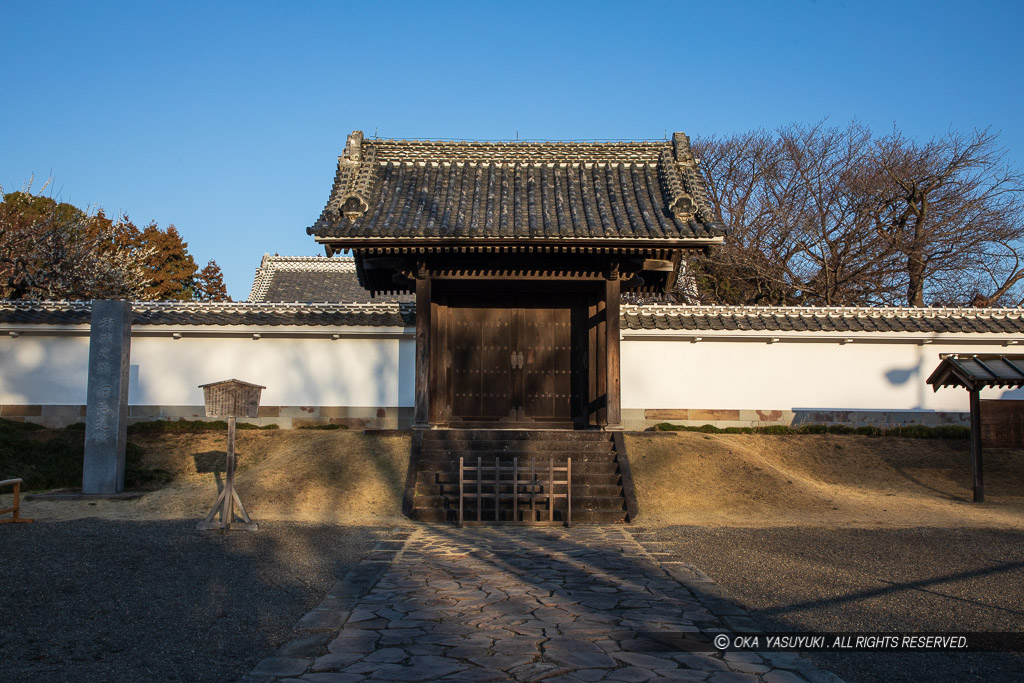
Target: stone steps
(429,483)
(607,466)
(432,492)
(518,447)
(450,515)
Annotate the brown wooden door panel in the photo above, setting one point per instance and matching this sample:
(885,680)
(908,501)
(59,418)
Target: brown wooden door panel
(496,376)
(481,348)
(512,363)
(546,340)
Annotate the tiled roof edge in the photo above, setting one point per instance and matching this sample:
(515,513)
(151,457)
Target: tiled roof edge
(626,309)
(143,308)
(828,311)
(271,265)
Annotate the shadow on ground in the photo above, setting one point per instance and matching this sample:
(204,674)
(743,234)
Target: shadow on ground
(919,580)
(92,600)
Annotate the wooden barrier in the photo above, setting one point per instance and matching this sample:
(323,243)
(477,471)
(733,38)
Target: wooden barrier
(533,488)
(16,507)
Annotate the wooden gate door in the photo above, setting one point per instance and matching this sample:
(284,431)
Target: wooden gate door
(545,360)
(511,364)
(481,356)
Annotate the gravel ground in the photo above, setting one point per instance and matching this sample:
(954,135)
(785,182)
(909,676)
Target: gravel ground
(94,600)
(885,580)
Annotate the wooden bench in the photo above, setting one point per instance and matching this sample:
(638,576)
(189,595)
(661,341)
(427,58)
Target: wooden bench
(16,508)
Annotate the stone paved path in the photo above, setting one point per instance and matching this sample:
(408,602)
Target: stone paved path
(514,603)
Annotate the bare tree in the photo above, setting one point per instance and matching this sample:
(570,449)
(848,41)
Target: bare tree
(951,211)
(823,215)
(785,198)
(741,171)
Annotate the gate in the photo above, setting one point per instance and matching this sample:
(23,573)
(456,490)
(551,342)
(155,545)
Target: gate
(519,493)
(511,363)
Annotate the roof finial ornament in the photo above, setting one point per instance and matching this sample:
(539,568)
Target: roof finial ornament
(356,178)
(354,146)
(681,146)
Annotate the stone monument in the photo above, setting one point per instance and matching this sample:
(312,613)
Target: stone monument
(106,417)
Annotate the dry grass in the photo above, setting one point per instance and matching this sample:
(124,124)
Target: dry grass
(345,477)
(351,477)
(824,480)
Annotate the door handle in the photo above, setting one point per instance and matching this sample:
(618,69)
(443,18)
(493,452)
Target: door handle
(520,359)
(514,358)
(517,360)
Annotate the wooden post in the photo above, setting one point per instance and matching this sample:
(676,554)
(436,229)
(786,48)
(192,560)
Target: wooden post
(979,485)
(568,492)
(228,498)
(611,307)
(551,490)
(422,349)
(515,489)
(533,489)
(228,516)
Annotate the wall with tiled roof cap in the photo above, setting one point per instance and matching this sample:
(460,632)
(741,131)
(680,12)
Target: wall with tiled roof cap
(354,363)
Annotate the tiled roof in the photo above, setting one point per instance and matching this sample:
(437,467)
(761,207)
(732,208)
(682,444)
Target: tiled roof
(203,313)
(839,320)
(311,279)
(977,371)
(674,318)
(517,191)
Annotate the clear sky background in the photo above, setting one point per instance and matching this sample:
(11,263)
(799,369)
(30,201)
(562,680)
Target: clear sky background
(227,118)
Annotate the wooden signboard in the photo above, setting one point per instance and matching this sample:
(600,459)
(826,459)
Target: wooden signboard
(1002,424)
(231,399)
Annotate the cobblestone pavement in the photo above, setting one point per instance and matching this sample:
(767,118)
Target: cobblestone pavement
(522,603)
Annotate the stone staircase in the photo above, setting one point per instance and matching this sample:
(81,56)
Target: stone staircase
(602,486)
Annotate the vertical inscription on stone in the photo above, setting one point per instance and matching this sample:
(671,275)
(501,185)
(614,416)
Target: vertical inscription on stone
(106,420)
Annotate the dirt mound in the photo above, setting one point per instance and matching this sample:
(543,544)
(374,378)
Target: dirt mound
(826,480)
(317,476)
(352,477)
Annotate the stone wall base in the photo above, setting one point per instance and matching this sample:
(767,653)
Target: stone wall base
(640,419)
(291,417)
(285,417)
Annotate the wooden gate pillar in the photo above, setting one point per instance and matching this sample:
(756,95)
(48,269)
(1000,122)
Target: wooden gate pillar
(612,291)
(423,334)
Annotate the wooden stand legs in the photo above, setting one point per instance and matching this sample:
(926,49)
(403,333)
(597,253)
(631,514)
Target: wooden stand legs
(16,504)
(228,498)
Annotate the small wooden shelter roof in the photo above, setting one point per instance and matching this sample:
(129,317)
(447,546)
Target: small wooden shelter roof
(235,382)
(977,371)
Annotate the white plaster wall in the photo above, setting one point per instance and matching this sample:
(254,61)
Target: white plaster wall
(407,372)
(320,371)
(308,372)
(379,372)
(43,370)
(674,373)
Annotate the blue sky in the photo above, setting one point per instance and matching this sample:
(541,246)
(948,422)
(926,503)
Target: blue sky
(226,118)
